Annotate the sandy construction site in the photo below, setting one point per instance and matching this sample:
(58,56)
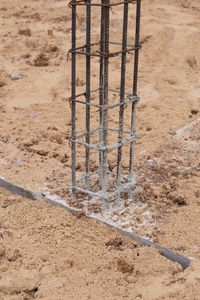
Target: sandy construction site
(45,252)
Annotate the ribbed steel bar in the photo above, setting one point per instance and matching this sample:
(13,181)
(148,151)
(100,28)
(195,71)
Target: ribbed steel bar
(105,94)
(135,78)
(87,96)
(101,95)
(73,98)
(122,93)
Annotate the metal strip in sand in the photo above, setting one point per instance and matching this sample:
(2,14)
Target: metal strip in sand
(184,261)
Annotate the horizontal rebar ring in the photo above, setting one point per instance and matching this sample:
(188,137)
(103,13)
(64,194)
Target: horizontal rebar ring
(99,43)
(103,148)
(103,54)
(131,100)
(120,189)
(123,187)
(82,178)
(83,2)
(129,95)
(108,195)
(78,136)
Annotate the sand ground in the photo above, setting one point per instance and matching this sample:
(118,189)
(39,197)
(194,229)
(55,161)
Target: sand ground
(35,153)
(46,253)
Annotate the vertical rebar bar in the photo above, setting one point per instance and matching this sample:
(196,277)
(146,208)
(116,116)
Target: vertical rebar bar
(105,94)
(122,92)
(101,95)
(87,156)
(73,97)
(135,78)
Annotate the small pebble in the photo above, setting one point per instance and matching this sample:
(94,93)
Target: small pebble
(149,161)
(31,116)
(192,62)
(15,76)
(194,111)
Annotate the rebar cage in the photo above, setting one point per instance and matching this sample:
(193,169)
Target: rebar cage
(103,182)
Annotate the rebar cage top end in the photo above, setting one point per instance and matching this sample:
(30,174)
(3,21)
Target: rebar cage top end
(104,135)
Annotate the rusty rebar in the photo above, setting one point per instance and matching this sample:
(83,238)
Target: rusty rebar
(103,105)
